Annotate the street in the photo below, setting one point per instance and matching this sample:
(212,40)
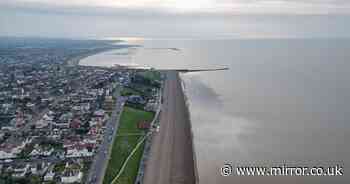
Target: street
(101,158)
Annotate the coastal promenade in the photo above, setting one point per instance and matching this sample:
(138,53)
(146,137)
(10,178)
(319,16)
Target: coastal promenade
(172,156)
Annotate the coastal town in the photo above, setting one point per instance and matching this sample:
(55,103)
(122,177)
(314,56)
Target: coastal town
(58,118)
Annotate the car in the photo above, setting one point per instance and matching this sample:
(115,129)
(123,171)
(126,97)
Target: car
(8,161)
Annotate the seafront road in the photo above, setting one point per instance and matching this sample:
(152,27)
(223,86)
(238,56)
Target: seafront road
(99,165)
(171,158)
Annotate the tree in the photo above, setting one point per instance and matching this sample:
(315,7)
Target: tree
(35,180)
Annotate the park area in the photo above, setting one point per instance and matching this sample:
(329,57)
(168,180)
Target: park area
(127,137)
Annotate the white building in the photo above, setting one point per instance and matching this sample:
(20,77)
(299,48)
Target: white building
(37,151)
(7,154)
(72,177)
(78,151)
(49,176)
(20,171)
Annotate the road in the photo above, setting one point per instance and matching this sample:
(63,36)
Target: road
(171,158)
(99,165)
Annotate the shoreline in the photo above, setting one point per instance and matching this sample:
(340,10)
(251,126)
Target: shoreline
(183,89)
(75,61)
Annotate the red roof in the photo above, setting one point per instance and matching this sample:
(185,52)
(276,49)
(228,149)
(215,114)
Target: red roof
(75,123)
(143,125)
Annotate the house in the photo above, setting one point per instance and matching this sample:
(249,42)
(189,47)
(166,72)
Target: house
(61,125)
(41,124)
(20,122)
(108,103)
(72,173)
(99,113)
(10,150)
(39,168)
(64,121)
(55,134)
(93,123)
(80,150)
(151,106)
(75,124)
(8,128)
(97,121)
(46,117)
(44,122)
(39,151)
(20,170)
(7,153)
(93,131)
(84,107)
(91,140)
(49,176)
(72,177)
(68,143)
(34,170)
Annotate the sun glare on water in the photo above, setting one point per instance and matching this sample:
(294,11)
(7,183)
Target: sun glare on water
(188,5)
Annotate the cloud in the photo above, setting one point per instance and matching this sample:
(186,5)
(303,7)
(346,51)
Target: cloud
(211,7)
(175,18)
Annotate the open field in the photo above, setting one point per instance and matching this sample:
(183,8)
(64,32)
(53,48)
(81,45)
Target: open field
(128,136)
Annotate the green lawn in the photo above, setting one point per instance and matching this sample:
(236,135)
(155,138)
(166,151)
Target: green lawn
(123,145)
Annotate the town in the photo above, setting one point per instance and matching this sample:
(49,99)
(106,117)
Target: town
(55,116)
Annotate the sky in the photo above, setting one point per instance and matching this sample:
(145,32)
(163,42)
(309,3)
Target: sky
(175,18)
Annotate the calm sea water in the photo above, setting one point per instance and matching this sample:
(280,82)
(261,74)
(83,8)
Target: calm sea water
(282,101)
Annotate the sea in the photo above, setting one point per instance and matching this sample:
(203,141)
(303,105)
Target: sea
(283,102)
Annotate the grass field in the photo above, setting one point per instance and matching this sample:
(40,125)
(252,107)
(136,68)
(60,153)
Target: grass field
(128,136)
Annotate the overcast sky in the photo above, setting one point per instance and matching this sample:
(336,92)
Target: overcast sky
(175,18)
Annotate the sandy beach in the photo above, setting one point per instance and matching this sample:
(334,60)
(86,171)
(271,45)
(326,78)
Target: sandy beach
(172,159)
